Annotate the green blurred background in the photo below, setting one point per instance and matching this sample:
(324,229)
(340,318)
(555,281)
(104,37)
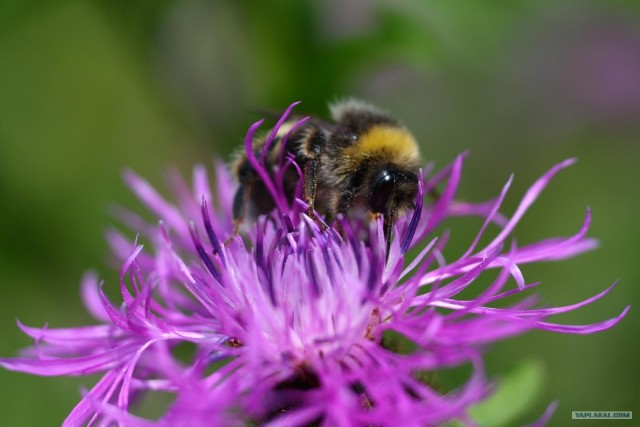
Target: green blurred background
(89,88)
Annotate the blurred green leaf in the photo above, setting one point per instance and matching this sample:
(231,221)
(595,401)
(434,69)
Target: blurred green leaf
(516,393)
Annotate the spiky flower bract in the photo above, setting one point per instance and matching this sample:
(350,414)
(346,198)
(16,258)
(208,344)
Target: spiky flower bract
(292,325)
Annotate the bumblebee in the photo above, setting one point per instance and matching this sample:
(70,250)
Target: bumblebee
(361,160)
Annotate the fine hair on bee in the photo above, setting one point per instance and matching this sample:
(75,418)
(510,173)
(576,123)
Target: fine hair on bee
(362,159)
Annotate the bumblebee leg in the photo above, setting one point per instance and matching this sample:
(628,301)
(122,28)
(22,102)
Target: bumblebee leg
(246,176)
(310,185)
(388,230)
(313,147)
(340,206)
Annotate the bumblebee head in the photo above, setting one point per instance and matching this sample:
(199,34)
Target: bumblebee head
(373,146)
(393,191)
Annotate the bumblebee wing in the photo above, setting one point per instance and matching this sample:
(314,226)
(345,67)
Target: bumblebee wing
(314,121)
(321,124)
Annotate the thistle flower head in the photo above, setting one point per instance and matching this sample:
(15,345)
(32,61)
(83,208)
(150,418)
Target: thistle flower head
(293,325)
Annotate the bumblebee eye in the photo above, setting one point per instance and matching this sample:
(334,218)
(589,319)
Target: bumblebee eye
(382,191)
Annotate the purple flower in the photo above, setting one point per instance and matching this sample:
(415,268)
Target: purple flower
(296,326)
